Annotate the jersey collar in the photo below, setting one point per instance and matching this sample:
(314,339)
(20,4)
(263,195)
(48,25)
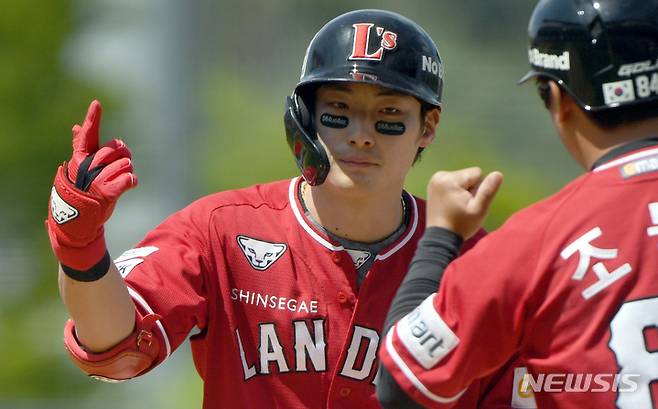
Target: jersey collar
(626,153)
(330,244)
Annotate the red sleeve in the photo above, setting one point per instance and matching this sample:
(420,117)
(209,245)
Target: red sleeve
(471,327)
(167,274)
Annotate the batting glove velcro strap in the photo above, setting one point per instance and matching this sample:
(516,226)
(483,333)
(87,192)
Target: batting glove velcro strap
(132,357)
(95,273)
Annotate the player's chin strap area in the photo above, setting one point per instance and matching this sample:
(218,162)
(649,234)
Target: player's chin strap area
(133,356)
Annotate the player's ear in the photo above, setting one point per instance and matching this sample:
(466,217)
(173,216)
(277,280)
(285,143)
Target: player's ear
(431,121)
(561,104)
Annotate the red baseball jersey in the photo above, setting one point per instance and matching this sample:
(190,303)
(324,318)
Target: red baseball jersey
(568,285)
(280,321)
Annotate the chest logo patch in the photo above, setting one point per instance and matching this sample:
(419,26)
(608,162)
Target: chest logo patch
(260,254)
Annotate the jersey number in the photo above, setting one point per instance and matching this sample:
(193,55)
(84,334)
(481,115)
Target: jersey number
(633,356)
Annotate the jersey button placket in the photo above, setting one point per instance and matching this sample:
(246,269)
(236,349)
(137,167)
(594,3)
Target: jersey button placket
(344,392)
(341,296)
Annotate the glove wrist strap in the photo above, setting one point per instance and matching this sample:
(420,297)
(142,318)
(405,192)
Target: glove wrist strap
(94,273)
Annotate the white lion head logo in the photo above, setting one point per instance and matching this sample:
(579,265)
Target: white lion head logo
(261,254)
(62,212)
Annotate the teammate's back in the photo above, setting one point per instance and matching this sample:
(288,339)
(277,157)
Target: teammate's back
(594,326)
(567,287)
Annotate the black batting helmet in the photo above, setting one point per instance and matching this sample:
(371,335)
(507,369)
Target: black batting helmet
(372,46)
(604,53)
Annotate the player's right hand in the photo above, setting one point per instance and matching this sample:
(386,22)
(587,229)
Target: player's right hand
(84,193)
(459,200)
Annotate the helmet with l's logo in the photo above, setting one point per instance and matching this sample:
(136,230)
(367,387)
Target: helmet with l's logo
(371,46)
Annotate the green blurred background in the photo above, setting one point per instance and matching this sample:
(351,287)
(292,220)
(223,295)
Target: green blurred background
(196,89)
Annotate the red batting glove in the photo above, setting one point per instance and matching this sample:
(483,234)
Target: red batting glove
(85,192)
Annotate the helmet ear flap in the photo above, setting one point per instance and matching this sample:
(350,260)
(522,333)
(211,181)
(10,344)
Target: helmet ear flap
(304,114)
(309,153)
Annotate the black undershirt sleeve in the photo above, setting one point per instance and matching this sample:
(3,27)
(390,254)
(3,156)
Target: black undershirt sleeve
(436,249)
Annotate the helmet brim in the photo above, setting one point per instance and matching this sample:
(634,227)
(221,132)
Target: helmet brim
(528,76)
(382,78)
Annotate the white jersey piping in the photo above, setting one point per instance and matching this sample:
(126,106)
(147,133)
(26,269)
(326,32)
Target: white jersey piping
(325,243)
(135,295)
(302,222)
(409,235)
(625,159)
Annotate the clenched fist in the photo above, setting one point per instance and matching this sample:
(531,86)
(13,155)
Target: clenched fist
(459,200)
(84,193)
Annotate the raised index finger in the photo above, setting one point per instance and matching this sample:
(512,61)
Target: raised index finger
(87,137)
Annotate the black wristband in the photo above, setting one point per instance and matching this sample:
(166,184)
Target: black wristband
(96,272)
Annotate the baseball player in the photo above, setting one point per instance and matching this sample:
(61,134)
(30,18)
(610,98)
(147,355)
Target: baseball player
(285,285)
(570,284)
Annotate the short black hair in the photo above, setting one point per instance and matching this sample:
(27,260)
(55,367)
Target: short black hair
(607,119)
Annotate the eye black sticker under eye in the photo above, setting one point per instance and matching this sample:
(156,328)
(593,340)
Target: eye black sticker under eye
(390,128)
(333,121)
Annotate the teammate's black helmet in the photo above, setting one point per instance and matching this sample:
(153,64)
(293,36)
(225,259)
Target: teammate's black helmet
(372,46)
(604,53)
